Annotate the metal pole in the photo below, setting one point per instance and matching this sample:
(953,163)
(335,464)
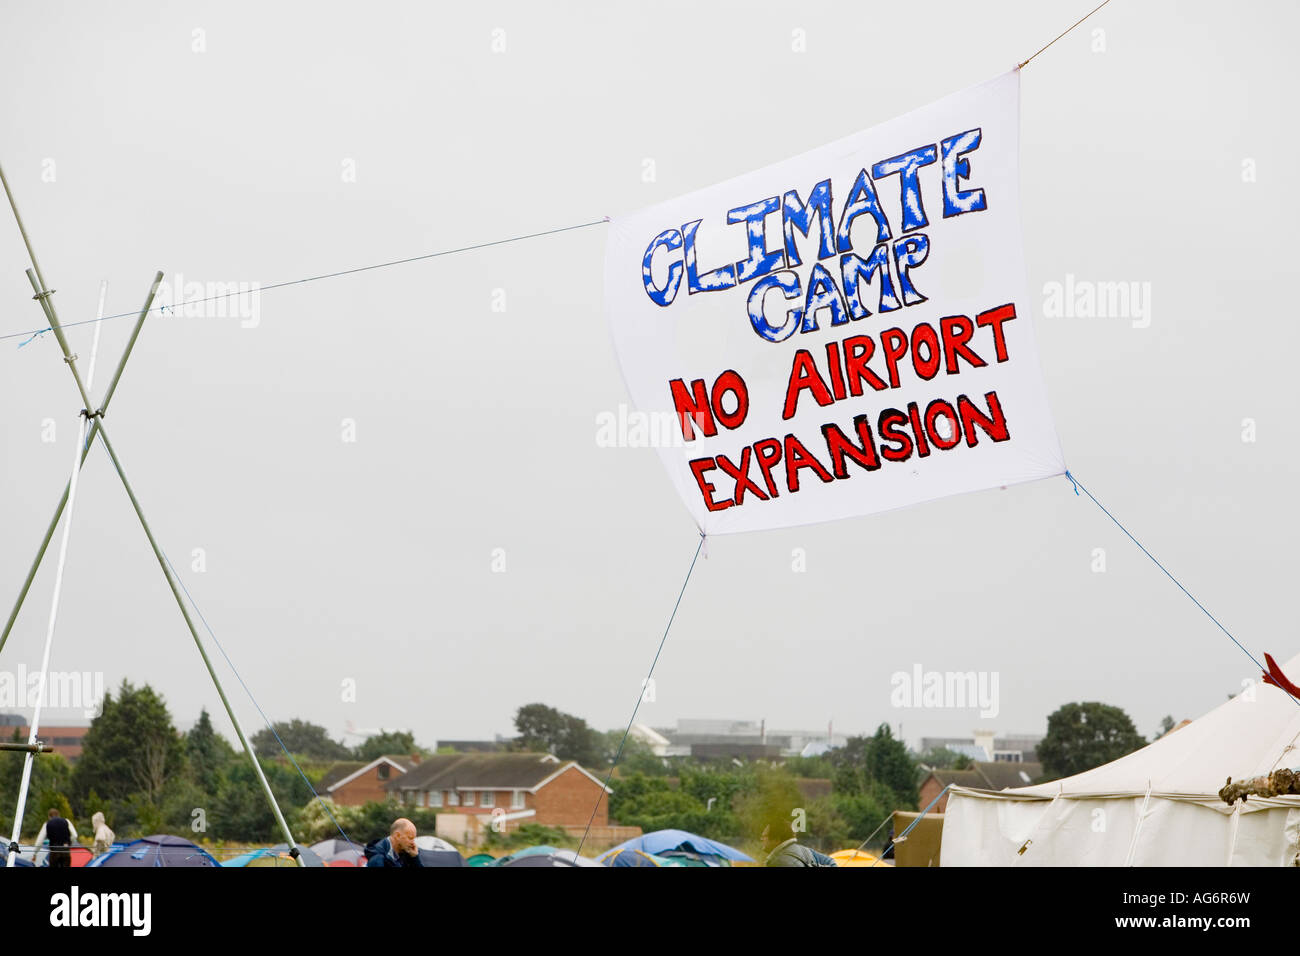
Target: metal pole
(43,297)
(94,430)
(25,781)
(36,748)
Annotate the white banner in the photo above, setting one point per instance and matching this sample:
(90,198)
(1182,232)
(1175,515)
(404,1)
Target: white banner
(844,332)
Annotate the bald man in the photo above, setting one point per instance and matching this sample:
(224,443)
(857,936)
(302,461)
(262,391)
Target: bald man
(396,849)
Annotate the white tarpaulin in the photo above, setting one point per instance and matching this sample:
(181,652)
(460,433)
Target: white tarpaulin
(1158,806)
(844,332)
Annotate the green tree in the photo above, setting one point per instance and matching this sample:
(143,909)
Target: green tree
(48,787)
(816,768)
(130,751)
(637,757)
(775,804)
(300,738)
(209,754)
(547,730)
(879,765)
(241,811)
(941,758)
(1166,725)
(389,742)
(1086,735)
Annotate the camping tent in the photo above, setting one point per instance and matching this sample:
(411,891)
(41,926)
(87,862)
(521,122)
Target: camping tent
(689,847)
(157,850)
(1158,806)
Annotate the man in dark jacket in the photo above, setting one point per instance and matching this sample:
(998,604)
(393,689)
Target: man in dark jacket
(790,853)
(60,833)
(396,849)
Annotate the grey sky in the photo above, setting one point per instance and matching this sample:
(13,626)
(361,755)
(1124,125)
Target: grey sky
(371,560)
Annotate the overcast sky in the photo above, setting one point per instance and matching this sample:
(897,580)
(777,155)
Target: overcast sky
(288,140)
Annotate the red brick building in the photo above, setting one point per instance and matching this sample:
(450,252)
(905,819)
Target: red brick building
(61,740)
(352,782)
(539,788)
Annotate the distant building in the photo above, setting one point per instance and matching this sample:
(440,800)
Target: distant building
(351,783)
(60,740)
(987,775)
(540,788)
(984,746)
(736,751)
(736,738)
(657,742)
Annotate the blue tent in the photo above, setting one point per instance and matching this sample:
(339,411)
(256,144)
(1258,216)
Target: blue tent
(624,858)
(667,841)
(246,858)
(161,849)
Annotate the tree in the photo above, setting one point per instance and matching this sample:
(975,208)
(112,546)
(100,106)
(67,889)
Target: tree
(637,757)
(48,786)
(941,758)
(241,811)
(539,727)
(300,738)
(389,742)
(1086,735)
(548,730)
(879,765)
(131,749)
(209,754)
(1166,725)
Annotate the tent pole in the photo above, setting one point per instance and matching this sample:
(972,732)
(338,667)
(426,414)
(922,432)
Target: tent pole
(35,728)
(94,430)
(43,296)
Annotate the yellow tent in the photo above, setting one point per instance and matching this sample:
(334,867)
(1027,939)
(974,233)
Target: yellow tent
(858,858)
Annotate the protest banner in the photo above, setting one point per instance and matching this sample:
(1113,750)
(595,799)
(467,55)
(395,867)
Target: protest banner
(844,332)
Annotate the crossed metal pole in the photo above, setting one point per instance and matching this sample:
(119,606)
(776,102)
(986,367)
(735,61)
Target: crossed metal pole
(44,295)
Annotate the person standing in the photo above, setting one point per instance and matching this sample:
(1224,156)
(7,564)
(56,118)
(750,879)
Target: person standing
(104,837)
(61,833)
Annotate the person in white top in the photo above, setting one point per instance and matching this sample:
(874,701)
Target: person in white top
(104,837)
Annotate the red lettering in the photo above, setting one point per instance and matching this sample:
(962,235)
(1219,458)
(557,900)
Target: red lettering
(894,342)
(693,408)
(995,318)
(698,467)
(803,375)
(957,330)
(841,448)
(994,424)
(741,474)
(796,457)
(857,353)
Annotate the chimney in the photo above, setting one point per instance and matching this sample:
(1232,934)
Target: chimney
(762,731)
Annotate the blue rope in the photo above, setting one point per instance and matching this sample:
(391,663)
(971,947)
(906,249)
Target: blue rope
(270,726)
(1077,485)
(641,696)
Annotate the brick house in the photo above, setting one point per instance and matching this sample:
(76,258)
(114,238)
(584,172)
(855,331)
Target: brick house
(530,787)
(991,775)
(352,782)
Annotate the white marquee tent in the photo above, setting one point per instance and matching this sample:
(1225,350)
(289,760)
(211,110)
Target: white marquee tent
(1158,806)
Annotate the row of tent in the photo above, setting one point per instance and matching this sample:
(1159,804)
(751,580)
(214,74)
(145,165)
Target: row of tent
(662,848)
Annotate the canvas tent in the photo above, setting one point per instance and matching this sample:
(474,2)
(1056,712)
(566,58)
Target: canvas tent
(1158,806)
